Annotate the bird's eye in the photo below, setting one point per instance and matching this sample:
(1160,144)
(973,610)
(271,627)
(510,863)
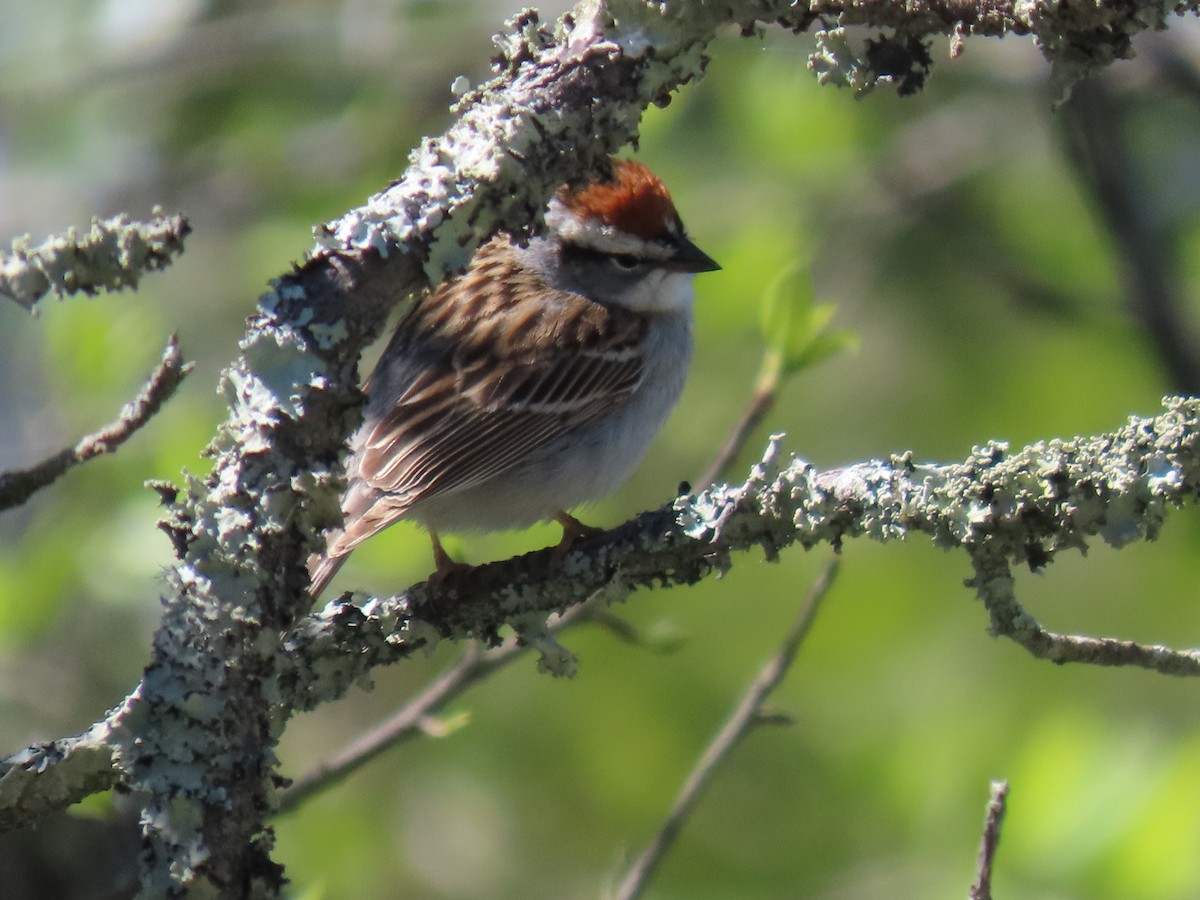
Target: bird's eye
(626,261)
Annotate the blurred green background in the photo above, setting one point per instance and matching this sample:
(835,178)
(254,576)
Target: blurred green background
(961,239)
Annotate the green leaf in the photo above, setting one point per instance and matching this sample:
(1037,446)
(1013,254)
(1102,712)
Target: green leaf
(795,328)
(822,347)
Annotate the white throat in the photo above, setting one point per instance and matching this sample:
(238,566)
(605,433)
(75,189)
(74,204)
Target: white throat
(661,291)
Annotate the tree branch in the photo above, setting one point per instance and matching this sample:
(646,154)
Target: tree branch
(982,888)
(1000,508)
(46,778)
(746,715)
(761,402)
(111,256)
(414,717)
(1096,127)
(994,583)
(17,487)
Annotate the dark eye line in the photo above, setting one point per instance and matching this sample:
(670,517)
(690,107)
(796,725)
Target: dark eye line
(624,261)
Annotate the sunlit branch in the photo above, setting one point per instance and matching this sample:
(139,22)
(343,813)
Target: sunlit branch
(111,255)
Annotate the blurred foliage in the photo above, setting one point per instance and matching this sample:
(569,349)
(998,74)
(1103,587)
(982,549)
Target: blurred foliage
(953,234)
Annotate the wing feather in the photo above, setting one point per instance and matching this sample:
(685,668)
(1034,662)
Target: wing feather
(536,363)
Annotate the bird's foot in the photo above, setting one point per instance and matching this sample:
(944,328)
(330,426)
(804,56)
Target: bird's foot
(573,532)
(446,567)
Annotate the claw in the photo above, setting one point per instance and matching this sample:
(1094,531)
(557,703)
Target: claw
(573,531)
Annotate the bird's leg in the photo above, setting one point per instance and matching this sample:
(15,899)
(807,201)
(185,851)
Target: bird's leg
(573,530)
(446,566)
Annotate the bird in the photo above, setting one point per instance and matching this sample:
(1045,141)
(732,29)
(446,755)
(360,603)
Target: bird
(533,382)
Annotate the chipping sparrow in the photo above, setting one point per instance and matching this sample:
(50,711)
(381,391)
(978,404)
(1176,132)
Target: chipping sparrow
(534,381)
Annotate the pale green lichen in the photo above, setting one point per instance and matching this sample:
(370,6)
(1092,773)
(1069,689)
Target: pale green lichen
(274,379)
(553,658)
(834,62)
(111,255)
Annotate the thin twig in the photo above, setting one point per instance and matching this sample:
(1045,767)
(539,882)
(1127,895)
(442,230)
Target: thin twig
(982,888)
(747,714)
(410,721)
(761,402)
(17,487)
(414,718)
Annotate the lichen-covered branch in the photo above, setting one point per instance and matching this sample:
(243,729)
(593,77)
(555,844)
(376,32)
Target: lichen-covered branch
(995,585)
(1001,508)
(48,777)
(17,487)
(560,104)
(111,255)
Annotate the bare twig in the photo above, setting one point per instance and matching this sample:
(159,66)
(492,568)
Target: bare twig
(747,714)
(414,718)
(111,255)
(17,487)
(410,721)
(982,888)
(761,402)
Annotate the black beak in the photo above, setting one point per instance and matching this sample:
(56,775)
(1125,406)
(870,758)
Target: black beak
(690,258)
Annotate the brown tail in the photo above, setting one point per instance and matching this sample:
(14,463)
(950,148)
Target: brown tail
(321,570)
(367,512)
(360,524)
